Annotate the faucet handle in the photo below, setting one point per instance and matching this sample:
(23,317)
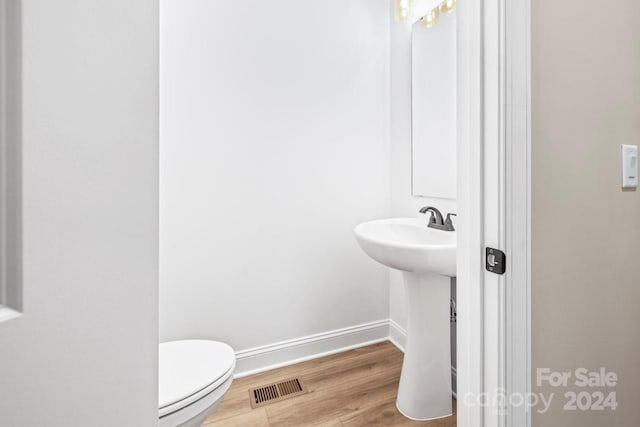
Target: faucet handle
(432,218)
(448,223)
(436,216)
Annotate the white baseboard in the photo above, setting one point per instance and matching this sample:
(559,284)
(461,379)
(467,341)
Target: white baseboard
(397,335)
(264,358)
(284,353)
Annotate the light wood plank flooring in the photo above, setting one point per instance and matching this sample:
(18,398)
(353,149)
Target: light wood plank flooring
(354,388)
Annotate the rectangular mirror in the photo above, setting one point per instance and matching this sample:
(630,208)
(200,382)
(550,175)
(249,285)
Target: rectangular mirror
(433,109)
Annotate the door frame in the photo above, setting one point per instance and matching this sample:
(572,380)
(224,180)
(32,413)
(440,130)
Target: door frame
(494,200)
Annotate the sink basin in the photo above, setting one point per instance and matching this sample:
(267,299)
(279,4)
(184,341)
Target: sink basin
(407,244)
(427,258)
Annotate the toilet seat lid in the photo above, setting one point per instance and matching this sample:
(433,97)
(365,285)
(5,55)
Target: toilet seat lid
(189,366)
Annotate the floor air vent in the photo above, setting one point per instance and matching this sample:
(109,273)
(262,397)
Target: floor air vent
(271,393)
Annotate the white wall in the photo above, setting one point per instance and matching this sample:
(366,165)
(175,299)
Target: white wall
(84,353)
(403,204)
(274,145)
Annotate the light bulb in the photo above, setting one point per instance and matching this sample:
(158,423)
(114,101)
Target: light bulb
(403,7)
(447,6)
(430,19)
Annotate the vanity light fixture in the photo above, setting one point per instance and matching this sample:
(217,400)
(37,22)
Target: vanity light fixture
(404,10)
(410,11)
(425,11)
(447,6)
(430,19)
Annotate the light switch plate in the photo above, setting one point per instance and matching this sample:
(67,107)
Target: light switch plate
(629,166)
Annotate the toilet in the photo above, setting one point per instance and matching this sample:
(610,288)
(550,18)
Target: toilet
(194,375)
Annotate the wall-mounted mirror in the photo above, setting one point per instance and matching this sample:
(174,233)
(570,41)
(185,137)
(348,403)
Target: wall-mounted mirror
(434,107)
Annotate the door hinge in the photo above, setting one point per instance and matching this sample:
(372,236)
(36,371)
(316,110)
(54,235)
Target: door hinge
(496,260)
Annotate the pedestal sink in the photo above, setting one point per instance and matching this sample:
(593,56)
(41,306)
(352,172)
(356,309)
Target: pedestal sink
(427,258)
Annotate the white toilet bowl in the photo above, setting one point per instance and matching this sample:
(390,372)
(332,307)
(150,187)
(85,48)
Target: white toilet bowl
(194,376)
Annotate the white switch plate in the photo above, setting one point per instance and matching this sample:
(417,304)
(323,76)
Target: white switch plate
(629,166)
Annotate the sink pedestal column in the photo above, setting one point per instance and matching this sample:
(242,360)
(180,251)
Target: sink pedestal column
(425,382)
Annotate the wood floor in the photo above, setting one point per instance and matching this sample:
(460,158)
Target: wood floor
(354,388)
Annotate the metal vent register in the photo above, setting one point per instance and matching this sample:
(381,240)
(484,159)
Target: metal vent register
(271,393)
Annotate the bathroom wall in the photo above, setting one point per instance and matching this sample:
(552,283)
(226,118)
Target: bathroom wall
(274,145)
(585,228)
(403,204)
(84,353)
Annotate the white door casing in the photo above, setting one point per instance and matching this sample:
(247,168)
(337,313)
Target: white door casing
(494,207)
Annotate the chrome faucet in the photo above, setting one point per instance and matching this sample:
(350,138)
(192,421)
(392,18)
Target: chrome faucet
(436,220)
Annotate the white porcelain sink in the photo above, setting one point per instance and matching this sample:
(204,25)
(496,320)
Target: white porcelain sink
(427,258)
(407,244)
